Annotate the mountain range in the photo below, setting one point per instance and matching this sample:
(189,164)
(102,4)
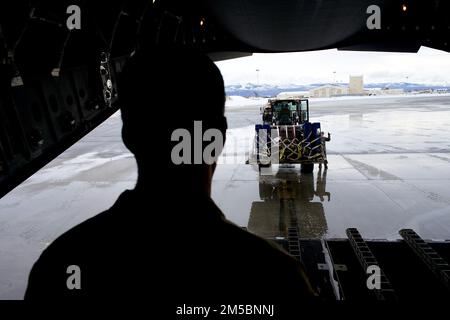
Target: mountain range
(268,90)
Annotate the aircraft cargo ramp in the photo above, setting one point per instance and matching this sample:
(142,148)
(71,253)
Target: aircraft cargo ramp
(413,269)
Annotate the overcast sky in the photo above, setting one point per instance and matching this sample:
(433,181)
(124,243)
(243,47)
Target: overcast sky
(427,66)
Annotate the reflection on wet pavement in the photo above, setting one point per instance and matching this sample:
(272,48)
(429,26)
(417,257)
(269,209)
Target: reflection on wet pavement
(287,201)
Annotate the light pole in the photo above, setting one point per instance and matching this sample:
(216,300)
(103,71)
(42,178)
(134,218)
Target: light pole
(257,77)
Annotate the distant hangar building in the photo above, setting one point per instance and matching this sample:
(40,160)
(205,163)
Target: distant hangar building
(293,95)
(355,87)
(328,91)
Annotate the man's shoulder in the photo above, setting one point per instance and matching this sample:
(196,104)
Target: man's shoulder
(76,242)
(84,231)
(269,262)
(255,246)
(243,241)
(74,247)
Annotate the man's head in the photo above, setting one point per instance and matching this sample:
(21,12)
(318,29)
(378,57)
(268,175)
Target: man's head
(163,90)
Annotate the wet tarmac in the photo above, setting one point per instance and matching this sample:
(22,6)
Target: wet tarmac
(389,168)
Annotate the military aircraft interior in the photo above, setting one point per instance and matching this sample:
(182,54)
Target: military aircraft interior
(59,102)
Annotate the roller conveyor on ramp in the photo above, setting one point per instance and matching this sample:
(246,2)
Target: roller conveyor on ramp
(405,270)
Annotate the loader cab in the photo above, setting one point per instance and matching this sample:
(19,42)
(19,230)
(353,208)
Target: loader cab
(289,112)
(303,107)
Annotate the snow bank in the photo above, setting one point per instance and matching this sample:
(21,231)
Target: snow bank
(238,101)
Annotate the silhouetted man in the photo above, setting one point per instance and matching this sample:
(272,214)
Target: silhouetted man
(166,238)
